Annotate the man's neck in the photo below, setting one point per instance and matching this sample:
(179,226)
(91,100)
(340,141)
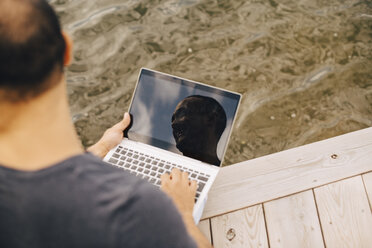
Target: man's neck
(37,133)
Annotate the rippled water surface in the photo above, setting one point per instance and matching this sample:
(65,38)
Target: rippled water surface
(303,66)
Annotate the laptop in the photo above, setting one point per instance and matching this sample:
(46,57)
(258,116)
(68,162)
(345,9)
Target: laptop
(176,123)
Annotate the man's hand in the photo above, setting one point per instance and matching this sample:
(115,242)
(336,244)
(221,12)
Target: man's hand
(111,138)
(181,190)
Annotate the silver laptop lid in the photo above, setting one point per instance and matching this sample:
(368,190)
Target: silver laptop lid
(182,116)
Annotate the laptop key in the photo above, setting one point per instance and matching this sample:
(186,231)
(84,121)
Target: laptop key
(142,158)
(201,186)
(135,162)
(152,180)
(146,171)
(153,173)
(202,178)
(135,156)
(148,166)
(123,152)
(115,155)
(197,197)
(193,175)
(112,160)
(161,171)
(140,169)
(127,165)
(120,163)
(129,160)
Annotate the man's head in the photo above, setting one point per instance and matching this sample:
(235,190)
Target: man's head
(32,49)
(198,123)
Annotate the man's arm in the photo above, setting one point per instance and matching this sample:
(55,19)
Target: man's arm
(182,191)
(111,138)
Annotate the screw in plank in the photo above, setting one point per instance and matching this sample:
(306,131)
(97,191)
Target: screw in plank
(230,235)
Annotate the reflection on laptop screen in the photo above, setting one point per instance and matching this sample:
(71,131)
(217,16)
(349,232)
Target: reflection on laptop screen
(182,116)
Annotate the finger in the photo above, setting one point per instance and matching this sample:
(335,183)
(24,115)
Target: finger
(194,185)
(176,173)
(164,177)
(124,123)
(185,176)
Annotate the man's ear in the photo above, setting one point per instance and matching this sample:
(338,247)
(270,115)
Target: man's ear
(68,51)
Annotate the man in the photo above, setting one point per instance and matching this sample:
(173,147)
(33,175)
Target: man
(52,193)
(198,123)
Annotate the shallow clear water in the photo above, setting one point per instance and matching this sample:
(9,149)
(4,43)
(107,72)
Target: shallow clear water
(303,67)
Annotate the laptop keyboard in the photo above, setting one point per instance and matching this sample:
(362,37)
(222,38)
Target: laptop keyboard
(151,168)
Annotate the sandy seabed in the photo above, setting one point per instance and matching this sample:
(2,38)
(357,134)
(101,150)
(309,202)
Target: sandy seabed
(303,67)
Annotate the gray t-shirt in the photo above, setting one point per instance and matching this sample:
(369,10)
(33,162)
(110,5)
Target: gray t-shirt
(83,202)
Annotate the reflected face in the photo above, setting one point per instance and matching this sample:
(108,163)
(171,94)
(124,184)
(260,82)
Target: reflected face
(189,127)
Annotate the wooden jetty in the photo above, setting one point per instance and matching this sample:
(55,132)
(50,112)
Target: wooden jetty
(317,195)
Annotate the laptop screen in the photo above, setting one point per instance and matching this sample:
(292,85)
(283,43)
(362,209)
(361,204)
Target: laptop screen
(182,116)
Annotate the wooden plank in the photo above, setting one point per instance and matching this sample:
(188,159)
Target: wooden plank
(243,228)
(344,213)
(280,174)
(204,227)
(293,221)
(367,178)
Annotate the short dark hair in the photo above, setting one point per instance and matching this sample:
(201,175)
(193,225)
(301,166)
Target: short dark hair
(31,47)
(212,108)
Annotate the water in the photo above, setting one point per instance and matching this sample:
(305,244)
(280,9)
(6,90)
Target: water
(303,67)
